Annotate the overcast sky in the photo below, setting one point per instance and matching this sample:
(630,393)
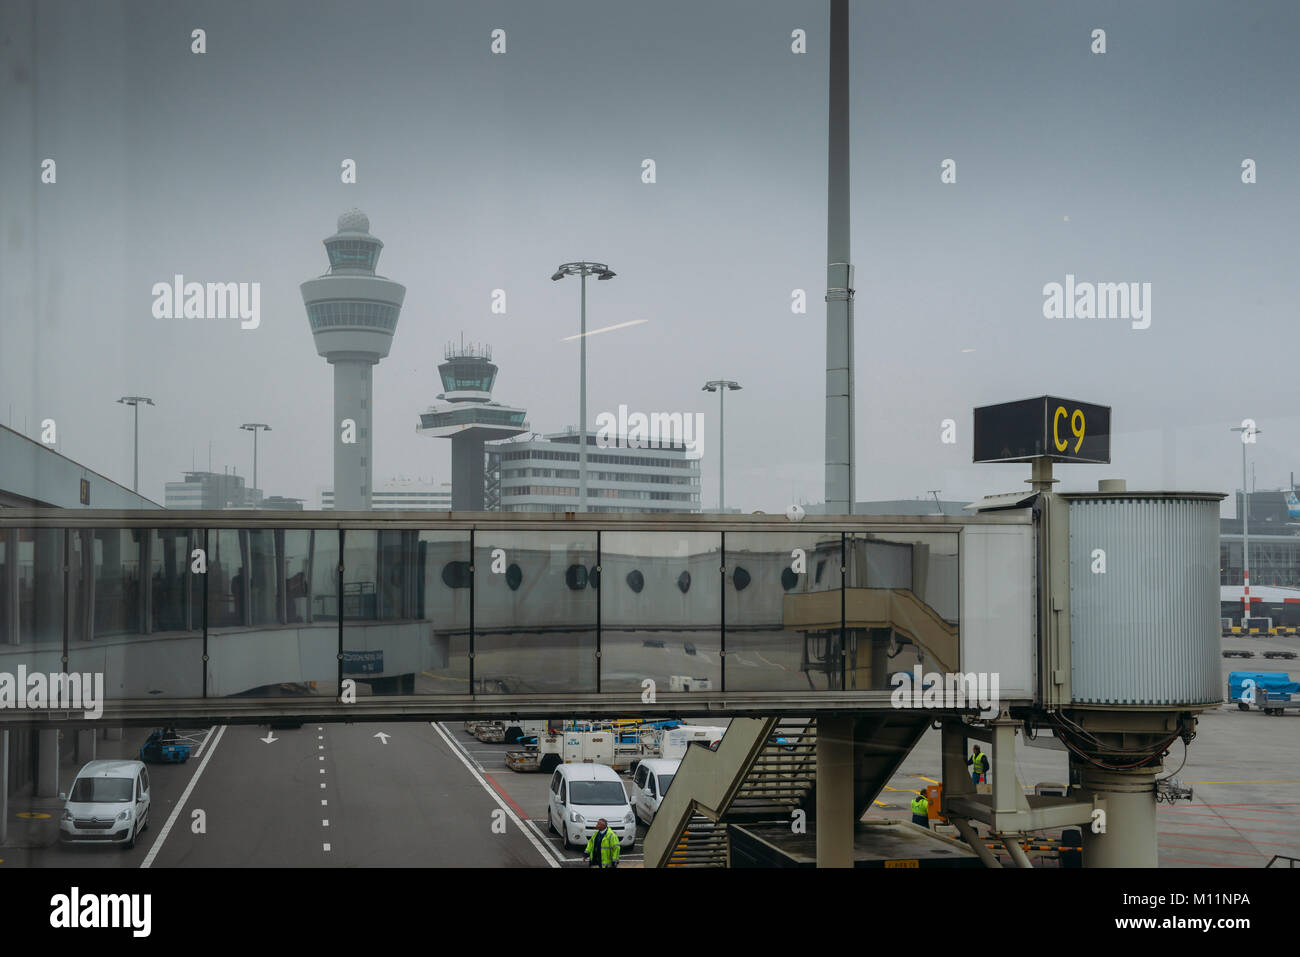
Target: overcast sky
(482,171)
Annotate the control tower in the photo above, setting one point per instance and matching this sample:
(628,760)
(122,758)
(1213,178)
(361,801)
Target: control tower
(353,315)
(466,414)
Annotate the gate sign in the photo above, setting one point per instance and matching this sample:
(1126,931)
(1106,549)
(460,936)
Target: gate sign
(1061,430)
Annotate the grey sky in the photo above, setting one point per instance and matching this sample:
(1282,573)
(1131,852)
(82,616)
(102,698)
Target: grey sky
(483,171)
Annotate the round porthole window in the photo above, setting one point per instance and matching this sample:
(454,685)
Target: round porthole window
(593,577)
(635,581)
(740,578)
(788,579)
(456,574)
(684,582)
(514,577)
(575,576)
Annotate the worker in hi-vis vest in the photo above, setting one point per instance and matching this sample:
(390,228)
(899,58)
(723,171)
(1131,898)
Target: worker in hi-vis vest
(921,810)
(603,846)
(979,763)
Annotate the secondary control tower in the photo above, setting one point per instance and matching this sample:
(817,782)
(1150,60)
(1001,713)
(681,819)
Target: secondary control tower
(465,413)
(353,315)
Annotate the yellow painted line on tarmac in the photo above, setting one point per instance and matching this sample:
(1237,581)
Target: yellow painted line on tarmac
(33,816)
(924,778)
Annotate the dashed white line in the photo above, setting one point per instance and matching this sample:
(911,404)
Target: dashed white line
(465,759)
(176,811)
(327,847)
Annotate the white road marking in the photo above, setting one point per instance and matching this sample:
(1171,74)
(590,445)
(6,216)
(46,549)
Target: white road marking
(324,803)
(176,811)
(204,744)
(322,784)
(325,823)
(327,847)
(510,812)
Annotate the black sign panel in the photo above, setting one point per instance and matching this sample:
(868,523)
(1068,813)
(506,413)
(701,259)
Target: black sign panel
(1062,430)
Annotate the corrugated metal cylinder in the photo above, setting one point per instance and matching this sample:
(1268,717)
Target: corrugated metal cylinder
(1145,631)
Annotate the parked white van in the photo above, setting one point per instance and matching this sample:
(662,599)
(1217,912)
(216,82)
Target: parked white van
(650,784)
(108,804)
(581,794)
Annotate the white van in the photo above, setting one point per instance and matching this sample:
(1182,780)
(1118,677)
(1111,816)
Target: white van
(581,794)
(108,804)
(650,784)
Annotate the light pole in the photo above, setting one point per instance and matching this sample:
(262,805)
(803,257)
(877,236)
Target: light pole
(254,427)
(135,400)
(1248,434)
(722,387)
(583,269)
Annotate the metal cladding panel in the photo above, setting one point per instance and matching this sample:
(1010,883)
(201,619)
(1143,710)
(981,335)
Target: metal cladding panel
(1146,630)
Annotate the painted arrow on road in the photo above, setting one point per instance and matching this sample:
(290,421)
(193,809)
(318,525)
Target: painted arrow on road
(382,736)
(270,736)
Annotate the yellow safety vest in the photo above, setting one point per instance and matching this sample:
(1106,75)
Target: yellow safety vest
(609,847)
(981,762)
(920,805)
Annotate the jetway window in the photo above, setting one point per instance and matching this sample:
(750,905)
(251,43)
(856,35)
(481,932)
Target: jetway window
(6,598)
(176,593)
(663,631)
(117,598)
(901,606)
(540,635)
(783,630)
(442,632)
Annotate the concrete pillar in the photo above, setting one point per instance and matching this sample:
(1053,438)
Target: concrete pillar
(85,745)
(467,473)
(956,778)
(47,762)
(353,463)
(835,824)
(1129,839)
(113,734)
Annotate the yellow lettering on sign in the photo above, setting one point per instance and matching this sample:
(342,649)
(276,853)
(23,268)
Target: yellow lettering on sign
(1078,425)
(913,863)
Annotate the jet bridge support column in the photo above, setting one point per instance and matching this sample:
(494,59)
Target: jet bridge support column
(835,824)
(1129,835)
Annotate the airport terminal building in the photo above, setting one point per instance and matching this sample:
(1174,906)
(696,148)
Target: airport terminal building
(540,474)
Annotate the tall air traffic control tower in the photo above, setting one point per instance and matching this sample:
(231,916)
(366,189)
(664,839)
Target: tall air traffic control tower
(466,414)
(353,315)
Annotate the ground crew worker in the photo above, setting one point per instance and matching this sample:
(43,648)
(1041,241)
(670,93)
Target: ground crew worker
(603,846)
(921,810)
(979,766)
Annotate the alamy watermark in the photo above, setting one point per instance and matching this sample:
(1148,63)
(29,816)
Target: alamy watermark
(55,691)
(1102,300)
(658,430)
(922,689)
(179,299)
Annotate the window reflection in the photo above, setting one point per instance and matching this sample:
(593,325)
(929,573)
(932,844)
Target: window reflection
(783,625)
(661,615)
(532,632)
(901,606)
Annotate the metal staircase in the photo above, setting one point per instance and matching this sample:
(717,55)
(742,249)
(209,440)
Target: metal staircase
(763,771)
